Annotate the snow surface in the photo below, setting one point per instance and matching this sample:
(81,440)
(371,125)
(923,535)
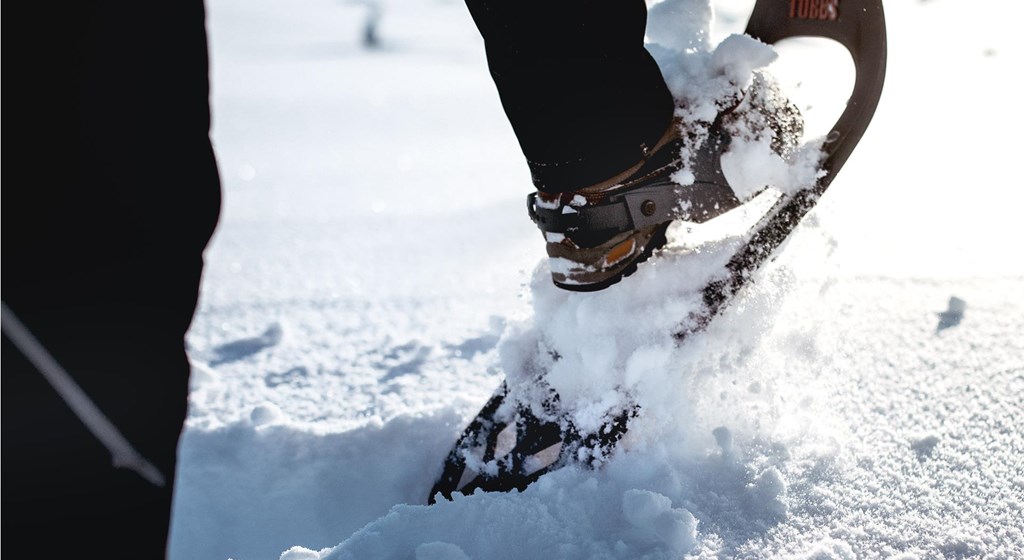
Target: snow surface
(374,276)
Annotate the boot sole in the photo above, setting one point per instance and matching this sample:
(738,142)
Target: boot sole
(658,240)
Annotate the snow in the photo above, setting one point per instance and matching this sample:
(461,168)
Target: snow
(375,276)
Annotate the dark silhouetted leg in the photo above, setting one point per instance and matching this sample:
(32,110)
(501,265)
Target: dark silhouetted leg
(584,96)
(112,195)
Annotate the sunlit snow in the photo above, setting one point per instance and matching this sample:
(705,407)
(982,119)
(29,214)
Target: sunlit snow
(375,276)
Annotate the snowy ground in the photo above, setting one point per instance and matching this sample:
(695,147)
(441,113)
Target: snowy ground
(374,260)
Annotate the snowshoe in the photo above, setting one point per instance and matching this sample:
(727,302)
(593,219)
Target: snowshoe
(512,442)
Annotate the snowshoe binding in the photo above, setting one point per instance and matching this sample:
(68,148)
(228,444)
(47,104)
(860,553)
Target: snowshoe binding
(599,234)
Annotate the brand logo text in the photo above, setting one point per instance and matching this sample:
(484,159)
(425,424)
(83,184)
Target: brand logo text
(814,9)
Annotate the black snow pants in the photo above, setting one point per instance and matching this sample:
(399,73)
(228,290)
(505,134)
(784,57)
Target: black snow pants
(582,93)
(111,196)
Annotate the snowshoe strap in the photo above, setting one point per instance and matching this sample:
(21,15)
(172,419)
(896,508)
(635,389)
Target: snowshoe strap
(707,197)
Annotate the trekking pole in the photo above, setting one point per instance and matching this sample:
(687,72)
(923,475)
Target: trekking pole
(122,452)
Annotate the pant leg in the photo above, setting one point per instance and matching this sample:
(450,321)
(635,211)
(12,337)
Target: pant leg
(60,488)
(582,93)
(115,198)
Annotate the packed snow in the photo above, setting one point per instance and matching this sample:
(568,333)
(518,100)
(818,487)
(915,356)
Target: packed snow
(375,276)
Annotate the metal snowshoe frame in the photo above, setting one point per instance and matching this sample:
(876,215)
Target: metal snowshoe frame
(859,25)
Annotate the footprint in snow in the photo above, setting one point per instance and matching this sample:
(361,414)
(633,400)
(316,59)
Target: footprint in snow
(245,347)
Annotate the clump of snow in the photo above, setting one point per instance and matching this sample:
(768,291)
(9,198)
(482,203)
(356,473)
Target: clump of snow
(953,314)
(265,415)
(925,446)
(738,56)
(708,82)
(440,551)
(652,513)
(768,492)
(680,26)
(723,437)
(751,165)
(301,553)
(831,549)
(956,305)
(705,82)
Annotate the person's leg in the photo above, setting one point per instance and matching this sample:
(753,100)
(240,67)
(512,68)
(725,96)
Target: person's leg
(60,488)
(103,235)
(593,116)
(583,95)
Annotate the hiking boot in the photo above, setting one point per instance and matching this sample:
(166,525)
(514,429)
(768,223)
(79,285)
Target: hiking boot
(587,260)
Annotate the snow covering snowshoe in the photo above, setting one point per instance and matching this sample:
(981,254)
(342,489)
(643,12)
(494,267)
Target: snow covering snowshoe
(514,440)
